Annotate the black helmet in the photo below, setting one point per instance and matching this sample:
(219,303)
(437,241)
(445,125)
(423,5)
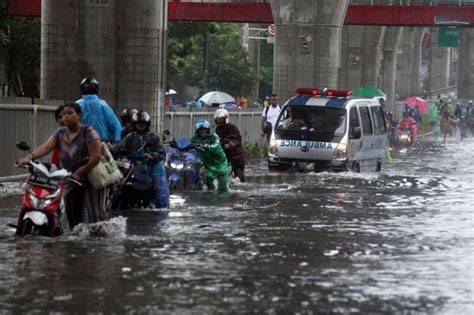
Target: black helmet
(127,114)
(141,116)
(89,86)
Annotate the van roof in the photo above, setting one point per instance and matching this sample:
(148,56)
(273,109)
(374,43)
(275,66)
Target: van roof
(336,102)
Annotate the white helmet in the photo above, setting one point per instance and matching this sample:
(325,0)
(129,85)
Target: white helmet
(222,113)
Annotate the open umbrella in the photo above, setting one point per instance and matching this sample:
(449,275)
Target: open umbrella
(416,101)
(216,97)
(369,92)
(171,92)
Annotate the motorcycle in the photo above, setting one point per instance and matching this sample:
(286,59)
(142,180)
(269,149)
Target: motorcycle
(183,166)
(135,190)
(405,137)
(42,206)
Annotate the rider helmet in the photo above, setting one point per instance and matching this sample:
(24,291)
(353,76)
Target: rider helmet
(89,86)
(203,123)
(127,114)
(222,113)
(141,116)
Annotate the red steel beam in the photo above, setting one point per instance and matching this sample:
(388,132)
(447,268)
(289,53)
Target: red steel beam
(391,15)
(228,12)
(25,7)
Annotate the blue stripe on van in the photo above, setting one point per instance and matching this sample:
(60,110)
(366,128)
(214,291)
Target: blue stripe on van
(299,100)
(337,102)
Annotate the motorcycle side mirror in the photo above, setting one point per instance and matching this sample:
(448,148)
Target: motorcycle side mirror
(23,146)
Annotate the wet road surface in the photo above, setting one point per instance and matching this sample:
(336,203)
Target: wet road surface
(396,242)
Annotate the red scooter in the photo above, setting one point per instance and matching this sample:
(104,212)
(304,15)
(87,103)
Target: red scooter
(42,199)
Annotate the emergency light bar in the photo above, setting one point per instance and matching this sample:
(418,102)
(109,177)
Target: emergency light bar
(300,91)
(325,92)
(339,93)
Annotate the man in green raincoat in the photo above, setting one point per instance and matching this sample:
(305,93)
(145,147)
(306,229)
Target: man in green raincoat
(212,156)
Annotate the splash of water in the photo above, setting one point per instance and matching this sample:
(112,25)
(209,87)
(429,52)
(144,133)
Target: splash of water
(113,228)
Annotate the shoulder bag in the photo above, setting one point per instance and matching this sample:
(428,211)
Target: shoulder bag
(106,172)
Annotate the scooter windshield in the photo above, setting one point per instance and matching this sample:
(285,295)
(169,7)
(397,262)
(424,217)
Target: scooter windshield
(183,143)
(314,123)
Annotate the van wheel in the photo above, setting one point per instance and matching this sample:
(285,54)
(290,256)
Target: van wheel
(378,168)
(278,167)
(355,167)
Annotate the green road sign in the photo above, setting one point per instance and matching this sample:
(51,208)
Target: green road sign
(449,36)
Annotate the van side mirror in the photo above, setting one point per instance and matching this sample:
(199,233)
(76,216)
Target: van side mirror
(356,133)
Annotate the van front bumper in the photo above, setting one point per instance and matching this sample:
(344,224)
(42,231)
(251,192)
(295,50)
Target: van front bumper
(333,165)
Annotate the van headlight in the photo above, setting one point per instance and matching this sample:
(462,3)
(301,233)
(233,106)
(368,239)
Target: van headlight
(341,152)
(272,146)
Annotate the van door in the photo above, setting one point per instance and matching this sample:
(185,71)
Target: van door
(380,131)
(355,136)
(367,146)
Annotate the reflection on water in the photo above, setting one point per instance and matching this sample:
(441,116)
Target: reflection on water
(398,241)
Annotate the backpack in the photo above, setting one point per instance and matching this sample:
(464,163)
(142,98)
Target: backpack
(268,126)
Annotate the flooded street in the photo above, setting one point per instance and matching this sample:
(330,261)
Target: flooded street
(400,241)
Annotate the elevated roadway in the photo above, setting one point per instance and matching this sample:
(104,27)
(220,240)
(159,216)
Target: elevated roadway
(357,14)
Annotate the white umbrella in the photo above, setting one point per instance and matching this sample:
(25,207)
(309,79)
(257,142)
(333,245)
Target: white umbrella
(216,97)
(171,92)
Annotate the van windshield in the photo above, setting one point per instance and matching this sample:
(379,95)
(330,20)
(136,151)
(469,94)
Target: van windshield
(317,123)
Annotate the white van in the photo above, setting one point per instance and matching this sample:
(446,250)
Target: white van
(331,130)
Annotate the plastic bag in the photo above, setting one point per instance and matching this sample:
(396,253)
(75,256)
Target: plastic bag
(105,172)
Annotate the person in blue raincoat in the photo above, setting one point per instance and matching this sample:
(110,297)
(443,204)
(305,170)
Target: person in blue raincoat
(212,156)
(97,113)
(133,145)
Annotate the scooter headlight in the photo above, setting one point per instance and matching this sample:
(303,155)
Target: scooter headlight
(41,203)
(177,166)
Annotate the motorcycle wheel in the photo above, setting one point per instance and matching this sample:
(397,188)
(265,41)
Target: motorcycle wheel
(355,167)
(26,228)
(29,228)
(172,185)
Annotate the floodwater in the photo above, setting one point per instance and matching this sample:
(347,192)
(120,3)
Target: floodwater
(396,242)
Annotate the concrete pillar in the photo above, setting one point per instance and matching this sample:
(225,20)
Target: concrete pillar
(351,57)
(372,54)
(60,50)
(466,65)
(361,55)
(307,44)
(141,55)
(391,42)
(121,43)
(440,64)
(409,62)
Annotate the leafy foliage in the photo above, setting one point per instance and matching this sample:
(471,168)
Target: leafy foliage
(228,67)
(20,42)
(255,150)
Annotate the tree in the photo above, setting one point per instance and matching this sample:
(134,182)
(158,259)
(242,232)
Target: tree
(20,42)
(229,69)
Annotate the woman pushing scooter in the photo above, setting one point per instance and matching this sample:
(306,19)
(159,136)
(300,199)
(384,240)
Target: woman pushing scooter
(79,151)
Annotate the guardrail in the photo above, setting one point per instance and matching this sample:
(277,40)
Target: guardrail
(35,123)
